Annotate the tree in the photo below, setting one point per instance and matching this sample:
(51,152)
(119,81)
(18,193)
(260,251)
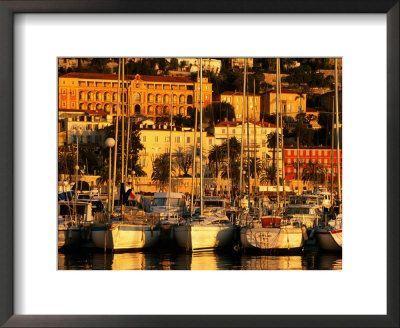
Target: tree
(184,162)
(216,157)
(161,170)
(314,172)
(182,64)
(135,146)
(234,160)
(173,64)
(216,112)
(268,174)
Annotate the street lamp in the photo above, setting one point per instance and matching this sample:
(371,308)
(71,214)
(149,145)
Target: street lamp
(110,143)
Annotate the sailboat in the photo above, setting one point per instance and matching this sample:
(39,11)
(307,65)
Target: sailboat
(273,232)
(209,230)
(330,237)
(121,231)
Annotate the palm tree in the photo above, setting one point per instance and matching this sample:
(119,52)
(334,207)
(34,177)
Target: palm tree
(268,174)
(258,167)
(271,143)
(184,162)
(161,170)
(314,172)
(216,158)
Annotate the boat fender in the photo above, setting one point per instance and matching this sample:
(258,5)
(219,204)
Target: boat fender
(304,232)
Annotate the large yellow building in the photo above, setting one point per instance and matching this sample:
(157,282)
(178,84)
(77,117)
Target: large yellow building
(156,141)
(236,100)
(292,103)
(149,96)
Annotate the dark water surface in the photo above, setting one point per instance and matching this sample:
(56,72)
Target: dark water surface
(176,259)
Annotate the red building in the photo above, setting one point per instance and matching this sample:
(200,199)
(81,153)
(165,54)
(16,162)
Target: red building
(316,161)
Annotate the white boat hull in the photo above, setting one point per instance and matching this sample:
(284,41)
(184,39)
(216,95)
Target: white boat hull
(202,237)
(125,236)
(271,238)
(330,240)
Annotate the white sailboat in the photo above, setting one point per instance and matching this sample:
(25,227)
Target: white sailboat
(273,232)
(121,231)
(209,230)
(330,237)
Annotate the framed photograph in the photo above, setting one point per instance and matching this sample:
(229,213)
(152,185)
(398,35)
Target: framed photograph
(43,111)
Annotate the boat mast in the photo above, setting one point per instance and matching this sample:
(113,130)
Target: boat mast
(128,134)
(248,144)
(201,138)
(123,122)
(277,131)
(242,134)
(229,160)
(337,132)
(332,146)
(255,136)
(170,153)
(194,169)
(116,135)
(281,138)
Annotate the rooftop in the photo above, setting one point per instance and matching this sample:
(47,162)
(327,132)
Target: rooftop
(146,78)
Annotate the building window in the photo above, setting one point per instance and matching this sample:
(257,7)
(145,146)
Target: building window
(210,141)
(223,131)
(144,138)
(187,139)
(233,131)
(156,138)
(166,139)
(63,104)
(178,139)
(137,97)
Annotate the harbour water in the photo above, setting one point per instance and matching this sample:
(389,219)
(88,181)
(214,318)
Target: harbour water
(175,259)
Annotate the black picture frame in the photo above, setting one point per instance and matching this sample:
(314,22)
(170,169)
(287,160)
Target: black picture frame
(7,11)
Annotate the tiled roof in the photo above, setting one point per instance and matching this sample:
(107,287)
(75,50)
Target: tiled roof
(236,93)
(147,78)
(236,123)
(283,90)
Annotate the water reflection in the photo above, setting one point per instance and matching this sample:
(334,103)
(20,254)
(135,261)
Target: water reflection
(88,259)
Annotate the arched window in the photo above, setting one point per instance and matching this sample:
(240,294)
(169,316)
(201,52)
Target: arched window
(107,96)
(158,98)
(90,106)
(98,96)
(182,111)
(189,99)
(98,106)
(150,110)
(82,96)
(158,110)
(166,99)
(82,106)
(107,108)
(150,98)
(166,110)
(114,108)
(90,96)
(115,97)
(137,109)
(174,110)
(182,99)
(137,97)
(175,99)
